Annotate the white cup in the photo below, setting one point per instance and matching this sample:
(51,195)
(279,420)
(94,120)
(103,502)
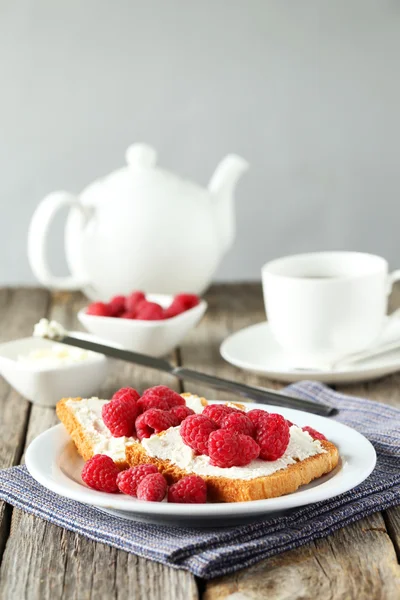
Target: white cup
(323,305)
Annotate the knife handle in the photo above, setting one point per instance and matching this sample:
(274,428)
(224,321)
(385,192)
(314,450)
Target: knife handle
(262,395)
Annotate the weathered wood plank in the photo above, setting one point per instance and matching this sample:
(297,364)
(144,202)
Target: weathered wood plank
(57,564)
(385,390)
(19,311)
(42,561)
(357,562)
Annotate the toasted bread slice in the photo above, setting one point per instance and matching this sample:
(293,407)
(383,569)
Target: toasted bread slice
(223,489)
(84,438)
(87,437)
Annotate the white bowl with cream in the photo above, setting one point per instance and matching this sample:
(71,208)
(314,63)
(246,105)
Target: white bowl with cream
(44,372)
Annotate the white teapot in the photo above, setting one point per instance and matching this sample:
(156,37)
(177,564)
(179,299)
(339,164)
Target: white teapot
(140,227)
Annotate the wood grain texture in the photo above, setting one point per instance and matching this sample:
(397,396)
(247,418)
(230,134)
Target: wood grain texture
(357,562)
(44,562)
(392,521)
(385,390)
(19,311)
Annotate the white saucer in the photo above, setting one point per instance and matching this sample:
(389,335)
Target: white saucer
(255,349)
(53,461)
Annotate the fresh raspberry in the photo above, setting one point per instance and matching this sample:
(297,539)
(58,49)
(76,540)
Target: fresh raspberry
(314,433)
(230,449)
(117,306)
(249,450)
(238,422)
(129,480)
(255,415)
(149,311)
(187,300)
(217,412)
(98,309)
(223,448)
(160,397)
(181,412)
(133,301)
(180,304)
(100,473)
(128,315)
(272,435)
(188,490)
(173,311)
(164,392)
(152,421)
(152,488)
(195,431)
(119,416)
(126,393)
(148,402)
(289,423)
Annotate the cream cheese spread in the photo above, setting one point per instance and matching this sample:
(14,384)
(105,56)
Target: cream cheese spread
(55,356)
(88,414)
(194,402)
(49,329)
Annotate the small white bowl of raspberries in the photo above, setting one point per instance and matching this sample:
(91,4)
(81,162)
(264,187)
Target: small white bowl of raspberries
(152,324)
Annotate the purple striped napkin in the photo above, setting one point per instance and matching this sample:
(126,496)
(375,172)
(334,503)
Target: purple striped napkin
(212,553)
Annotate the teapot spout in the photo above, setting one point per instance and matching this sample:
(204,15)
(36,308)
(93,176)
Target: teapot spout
(221,186)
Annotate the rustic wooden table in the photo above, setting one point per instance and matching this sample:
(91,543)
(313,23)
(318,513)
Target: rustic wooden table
(41,561)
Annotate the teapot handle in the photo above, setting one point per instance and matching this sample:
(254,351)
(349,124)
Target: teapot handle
(37,236)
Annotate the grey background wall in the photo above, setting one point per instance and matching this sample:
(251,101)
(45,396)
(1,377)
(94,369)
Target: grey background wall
(308,92)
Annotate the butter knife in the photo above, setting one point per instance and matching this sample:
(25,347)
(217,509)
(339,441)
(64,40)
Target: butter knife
(258,394)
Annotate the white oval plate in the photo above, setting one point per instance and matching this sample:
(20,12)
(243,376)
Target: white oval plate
(54,462)
(255,349)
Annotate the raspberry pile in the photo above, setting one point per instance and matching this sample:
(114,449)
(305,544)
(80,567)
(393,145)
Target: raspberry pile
(136,306)
(227,435)
(131,415)
(143,482)
(233,438)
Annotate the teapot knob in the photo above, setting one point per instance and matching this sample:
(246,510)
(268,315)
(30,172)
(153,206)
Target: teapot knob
(141,155)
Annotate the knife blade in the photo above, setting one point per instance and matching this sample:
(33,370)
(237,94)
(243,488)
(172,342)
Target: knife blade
(258,394)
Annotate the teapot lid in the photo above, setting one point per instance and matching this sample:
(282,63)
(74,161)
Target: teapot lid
(141,160)
(141,155)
